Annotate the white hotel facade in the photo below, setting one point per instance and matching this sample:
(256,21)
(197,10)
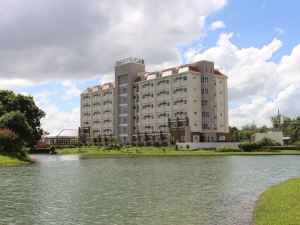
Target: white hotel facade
(188,103)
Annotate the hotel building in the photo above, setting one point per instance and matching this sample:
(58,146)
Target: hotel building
(187,103)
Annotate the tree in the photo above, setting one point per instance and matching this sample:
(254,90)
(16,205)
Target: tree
(286,125)
(94,141)
(262,129)
(234,131)
(294,130)
(10,102)
(16,122)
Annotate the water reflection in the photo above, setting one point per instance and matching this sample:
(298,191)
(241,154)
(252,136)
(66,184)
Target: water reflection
(139,190)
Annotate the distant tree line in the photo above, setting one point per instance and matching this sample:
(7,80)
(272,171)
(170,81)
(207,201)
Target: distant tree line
(290,127)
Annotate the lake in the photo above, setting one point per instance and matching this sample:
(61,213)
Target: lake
(139,190)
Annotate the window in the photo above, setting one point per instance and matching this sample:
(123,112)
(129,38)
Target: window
(163,104)
(204,102)
(163,115)
(205,114)
(163,93)
(205,126)
(146,85)
(204,79)
(204,90)
(180,114)
(162,82)
(181,101)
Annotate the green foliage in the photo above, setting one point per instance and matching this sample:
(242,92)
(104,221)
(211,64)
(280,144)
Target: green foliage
(16,122)
(262,129)
(283,147)
(10,102)
(227,149)
(294,130)
(268,142)
(113,145)
(250,146)
(53,150)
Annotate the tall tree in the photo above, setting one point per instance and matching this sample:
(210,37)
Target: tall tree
(10,102)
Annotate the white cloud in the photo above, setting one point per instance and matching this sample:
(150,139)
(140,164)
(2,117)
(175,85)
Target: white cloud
(217,25)
(257,85)
(279,30)
(75,39)
(70,91)
(7,84)
(56,119)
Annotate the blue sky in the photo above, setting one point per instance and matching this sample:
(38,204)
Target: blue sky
(55,49)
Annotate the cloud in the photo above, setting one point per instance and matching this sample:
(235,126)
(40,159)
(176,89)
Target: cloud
(56,119)
(7,84)
(258,86)
(74,39)
(217,25)
(71,90)
(279,30)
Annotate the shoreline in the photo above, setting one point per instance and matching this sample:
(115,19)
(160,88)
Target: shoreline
(278,205)
(167,151)
(13,159)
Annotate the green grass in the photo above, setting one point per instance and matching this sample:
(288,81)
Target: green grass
(13,159)
(280,205)
(164,151)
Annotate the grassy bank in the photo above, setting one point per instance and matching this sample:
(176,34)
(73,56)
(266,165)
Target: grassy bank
(13,159)
(279,205)
(164,151)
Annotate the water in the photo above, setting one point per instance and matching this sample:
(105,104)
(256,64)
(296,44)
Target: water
(170,190)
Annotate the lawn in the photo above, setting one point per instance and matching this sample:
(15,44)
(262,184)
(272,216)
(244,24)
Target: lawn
(164,151)
(12,159)
(280,205)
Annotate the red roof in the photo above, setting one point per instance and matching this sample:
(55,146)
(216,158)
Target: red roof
(218,73)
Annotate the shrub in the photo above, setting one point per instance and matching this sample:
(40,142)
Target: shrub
(268,142)
(250,146)
(52,150)
(297,144)
(227,149)
(284,147)
(9,140)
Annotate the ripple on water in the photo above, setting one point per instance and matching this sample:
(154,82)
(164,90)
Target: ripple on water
(139,190)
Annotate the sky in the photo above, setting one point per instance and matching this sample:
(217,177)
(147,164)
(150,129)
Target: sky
(54,49)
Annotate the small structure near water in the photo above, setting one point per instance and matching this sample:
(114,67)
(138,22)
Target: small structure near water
(274,135)
(63,137)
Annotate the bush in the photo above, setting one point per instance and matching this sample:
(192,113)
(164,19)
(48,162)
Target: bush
(9,141)
(268,142)
(284,147)
(52,150)
(297,144)
(250,146)
(227,149)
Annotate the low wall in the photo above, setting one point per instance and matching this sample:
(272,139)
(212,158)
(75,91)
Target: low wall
(203,145)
